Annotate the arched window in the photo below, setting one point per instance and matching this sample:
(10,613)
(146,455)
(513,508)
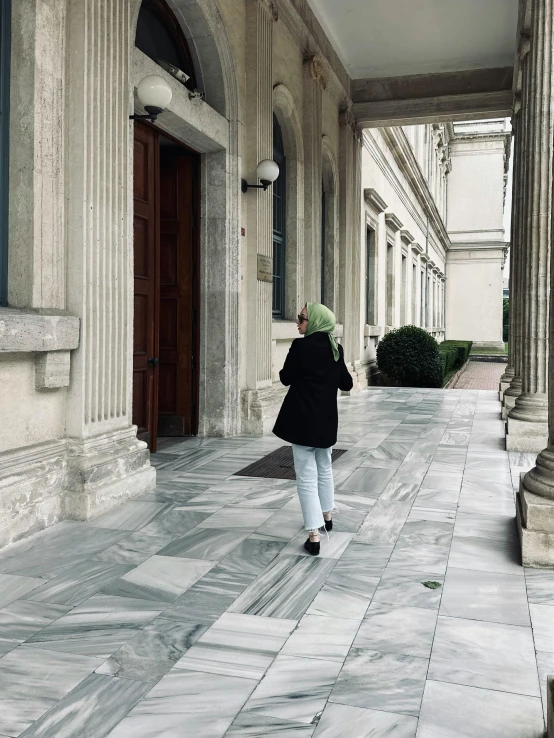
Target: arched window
(5,46)
(160,37)
(279,221)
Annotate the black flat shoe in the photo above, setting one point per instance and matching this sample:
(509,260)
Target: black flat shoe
(312,547)
(328,525)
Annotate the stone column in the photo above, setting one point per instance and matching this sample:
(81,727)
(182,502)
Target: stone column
(509,374)
(519,180)
(416,311)
(259,403)
(528,420)
(315,82)
(106,462)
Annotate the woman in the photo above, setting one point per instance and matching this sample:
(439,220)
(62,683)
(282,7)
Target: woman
(315,370)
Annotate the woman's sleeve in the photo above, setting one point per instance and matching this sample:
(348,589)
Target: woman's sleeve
(345,378)
(290,370)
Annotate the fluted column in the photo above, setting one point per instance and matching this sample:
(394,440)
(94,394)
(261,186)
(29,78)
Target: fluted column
(509,374)
(106,461)
(527,421)
(315,81)
(535,501)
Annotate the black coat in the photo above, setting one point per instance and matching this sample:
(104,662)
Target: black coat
(309,415)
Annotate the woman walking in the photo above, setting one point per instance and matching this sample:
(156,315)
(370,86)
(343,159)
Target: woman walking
(315,371)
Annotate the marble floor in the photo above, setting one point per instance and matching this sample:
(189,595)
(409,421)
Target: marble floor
(194,611)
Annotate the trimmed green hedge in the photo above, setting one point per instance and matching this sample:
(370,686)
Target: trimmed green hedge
(410,357)
(454,355)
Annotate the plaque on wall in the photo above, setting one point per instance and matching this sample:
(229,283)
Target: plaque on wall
(265,268)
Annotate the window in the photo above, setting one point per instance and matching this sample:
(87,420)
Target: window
(370,277)
(403,306)
(160,37)
(5,45)
(323,239)
(422,301)
(390,285)
(279,221)
(414,294)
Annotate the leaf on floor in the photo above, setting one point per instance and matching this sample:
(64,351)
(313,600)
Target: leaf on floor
(432,585)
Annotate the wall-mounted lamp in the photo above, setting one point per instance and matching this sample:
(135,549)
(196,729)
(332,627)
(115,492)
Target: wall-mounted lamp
(155,94)
(267,172)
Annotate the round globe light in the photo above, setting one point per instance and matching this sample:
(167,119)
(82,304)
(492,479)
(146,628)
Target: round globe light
(267,171)
(154,92)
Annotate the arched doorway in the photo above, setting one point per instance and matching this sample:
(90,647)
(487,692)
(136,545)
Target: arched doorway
(166,254)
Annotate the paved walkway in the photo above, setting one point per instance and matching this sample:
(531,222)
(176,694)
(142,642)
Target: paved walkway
(193,611)
(481,375)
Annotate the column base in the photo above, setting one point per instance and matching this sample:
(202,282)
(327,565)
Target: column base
(105,471)
(550,707)
(260,408)
(527,427)
(508,405)
(535,512)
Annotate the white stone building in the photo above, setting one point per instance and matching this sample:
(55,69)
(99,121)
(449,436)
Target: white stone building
(134,269)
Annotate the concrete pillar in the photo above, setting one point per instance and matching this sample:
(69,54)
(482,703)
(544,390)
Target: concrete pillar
(528,420)
(535,500)
(107,464)
(314,83)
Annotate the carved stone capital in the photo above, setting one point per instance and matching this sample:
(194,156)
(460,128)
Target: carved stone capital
(271,7)
(317,70)
(346,118)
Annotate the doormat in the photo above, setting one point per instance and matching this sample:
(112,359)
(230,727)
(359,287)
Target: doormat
(278,464)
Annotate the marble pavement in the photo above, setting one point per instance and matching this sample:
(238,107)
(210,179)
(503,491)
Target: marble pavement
(194,611)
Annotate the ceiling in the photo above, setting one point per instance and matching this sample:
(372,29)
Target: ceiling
(389,38)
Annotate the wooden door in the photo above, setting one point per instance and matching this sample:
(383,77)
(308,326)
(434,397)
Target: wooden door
(177,385)
(146,233)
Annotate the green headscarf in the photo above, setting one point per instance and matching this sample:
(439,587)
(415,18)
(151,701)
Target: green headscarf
(322,320)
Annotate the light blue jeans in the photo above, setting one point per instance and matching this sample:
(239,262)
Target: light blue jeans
(314,482)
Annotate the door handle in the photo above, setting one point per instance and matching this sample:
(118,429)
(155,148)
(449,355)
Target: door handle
(153,361)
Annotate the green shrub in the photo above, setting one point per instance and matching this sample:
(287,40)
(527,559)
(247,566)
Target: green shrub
(410,357)
(461,349)
(505,319)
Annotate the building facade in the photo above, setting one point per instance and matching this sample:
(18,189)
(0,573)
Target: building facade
(144,293)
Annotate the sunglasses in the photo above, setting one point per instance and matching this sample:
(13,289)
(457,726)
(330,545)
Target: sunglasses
(301,318)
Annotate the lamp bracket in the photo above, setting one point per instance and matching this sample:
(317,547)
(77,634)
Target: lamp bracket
(263,186)
(151,114)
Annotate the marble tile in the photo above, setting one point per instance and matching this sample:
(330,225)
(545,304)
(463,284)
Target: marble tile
(399,492)
(283,524)
(456,711)
(486,655)
(367,559)
(205,543)
(135,548)
(209,702)
(381,681)
(452,482)
(502,528)
(45,555)
(437,515)
(372,481)
(481,595)
(346,721)
(238,645)
(160,578)
(395,447)
(252,555)
(262,726)
(424,557)
(203,603)
(174,523)
(130,516)
(358,501)
(6,646)
(540,586)
(384,523)
(487,504)
(33,680)
(95,628)
(486,554)
(347,591)
(12,587)
(294,688)
(78,583)
(154,651)
(93,708)
(348,521)
(545,666)
(404,587)
(270,498)
(426,531)
(286,588)
(542,619)
(332,547)
(248,518)
(392,629)
(320,637)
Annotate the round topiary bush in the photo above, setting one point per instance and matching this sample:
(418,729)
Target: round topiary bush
(410,357)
